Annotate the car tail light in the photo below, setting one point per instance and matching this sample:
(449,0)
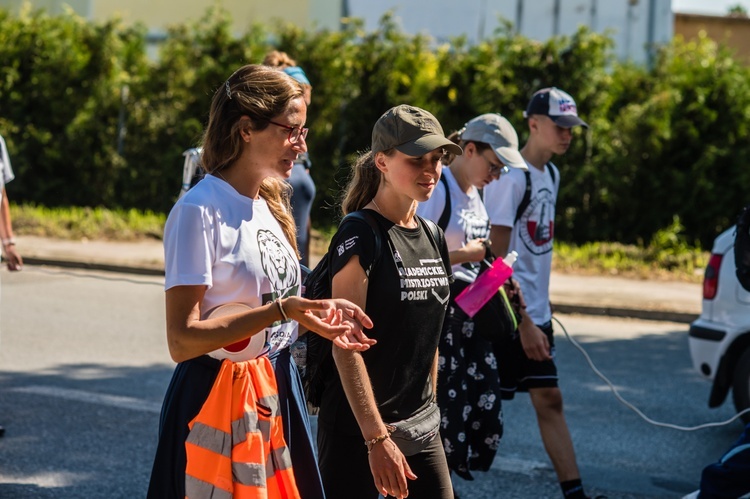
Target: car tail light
(711,277)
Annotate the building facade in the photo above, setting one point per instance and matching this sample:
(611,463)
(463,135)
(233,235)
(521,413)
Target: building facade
(731,31)
(158,14)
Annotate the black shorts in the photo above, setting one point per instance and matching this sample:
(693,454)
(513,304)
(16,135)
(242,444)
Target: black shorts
(520,373)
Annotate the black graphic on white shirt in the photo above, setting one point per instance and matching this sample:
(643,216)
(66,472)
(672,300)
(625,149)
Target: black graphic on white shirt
(281,269)
(278,264)
(537,224)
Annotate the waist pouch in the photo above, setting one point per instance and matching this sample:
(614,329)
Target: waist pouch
(412,435)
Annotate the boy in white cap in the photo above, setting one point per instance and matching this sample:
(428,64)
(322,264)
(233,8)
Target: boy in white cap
(521,207)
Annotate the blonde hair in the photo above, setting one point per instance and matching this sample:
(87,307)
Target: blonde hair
(278,59)
(259,93)
(364,182)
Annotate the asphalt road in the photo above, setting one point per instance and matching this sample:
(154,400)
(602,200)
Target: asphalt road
(84,365)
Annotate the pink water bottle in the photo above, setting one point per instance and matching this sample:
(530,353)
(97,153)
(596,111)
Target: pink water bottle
(479,292)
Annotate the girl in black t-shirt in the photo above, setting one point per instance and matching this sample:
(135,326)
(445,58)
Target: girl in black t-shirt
(404,289)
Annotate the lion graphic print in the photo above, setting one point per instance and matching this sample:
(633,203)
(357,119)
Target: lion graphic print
(281,268)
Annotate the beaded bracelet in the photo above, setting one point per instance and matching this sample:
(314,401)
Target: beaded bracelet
(9,242)
(281,309)
(380,438)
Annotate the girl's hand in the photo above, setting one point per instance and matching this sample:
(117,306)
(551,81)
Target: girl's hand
(390,470)
(353,315)
(475,250)
(513,290)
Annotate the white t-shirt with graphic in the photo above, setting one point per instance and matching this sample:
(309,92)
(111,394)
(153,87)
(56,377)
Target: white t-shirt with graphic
(468,220)
(533,235)
(232,244)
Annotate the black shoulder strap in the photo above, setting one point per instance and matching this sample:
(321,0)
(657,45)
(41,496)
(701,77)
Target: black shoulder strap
(446,214)
(551,172)
(367,217)
(438,239)
(526,197)
(527,193)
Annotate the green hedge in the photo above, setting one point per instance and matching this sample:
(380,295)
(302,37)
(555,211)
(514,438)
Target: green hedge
(664,143)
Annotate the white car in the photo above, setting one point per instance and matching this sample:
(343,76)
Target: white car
(720,338)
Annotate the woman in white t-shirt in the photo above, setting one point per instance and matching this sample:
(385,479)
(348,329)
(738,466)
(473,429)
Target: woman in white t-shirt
(468,391)
(234,417)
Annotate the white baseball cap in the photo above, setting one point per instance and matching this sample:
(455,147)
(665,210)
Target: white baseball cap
(496,131)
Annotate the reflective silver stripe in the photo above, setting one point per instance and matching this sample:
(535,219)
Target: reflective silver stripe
(249,474)
(272,402)
(282,458)
(249,423)
(210,438)
(198,489)
(279,460)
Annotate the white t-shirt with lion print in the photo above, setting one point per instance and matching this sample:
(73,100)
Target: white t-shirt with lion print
(232,244)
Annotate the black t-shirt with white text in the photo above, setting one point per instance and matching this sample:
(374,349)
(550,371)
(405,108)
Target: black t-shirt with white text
(407,295)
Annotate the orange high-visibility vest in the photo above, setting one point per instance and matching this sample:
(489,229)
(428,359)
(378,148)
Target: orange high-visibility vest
(235,448)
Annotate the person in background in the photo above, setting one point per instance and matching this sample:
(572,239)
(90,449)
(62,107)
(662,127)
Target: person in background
(10,253)
(526,223)
(468,380)
(405,289)
(230,423)
(303,186)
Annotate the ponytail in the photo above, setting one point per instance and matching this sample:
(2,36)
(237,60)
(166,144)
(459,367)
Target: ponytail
(364,183)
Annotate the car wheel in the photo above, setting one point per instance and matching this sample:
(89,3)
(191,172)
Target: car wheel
(741,385)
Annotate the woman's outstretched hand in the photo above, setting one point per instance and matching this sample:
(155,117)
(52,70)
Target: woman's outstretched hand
(338,320)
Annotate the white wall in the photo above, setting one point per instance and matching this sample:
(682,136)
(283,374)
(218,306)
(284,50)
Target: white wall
(632,23)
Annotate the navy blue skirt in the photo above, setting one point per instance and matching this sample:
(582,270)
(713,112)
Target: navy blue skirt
(191,383)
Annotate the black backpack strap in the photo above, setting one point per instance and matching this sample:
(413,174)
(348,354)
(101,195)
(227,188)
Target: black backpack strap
(551,172)
(367,217)
(526,197)
(438,239)
(446,214)
(527,193)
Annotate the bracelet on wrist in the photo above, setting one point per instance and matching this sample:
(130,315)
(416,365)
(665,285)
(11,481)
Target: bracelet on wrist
(9,242)
(281,309)
(380,438)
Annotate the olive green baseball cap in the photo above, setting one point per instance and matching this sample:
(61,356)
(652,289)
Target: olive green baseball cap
(411,130)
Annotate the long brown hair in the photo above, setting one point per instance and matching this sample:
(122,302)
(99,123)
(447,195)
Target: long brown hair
(363,183)
(260,93)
